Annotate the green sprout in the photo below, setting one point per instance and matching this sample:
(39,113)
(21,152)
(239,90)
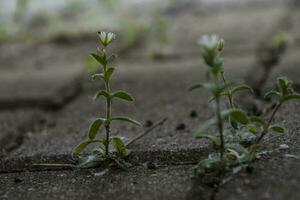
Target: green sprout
(238,135)
(214,166)
(282,94)
(103,152)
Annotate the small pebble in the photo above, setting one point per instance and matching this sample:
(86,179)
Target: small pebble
(148,123)
(283,146)
(17,180)
(247,181)
(180,126)
(193,114)
(249,169)
(291,156)
(101,173)
(152,165)
(134,182)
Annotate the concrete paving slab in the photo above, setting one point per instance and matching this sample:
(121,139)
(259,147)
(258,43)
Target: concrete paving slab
(137,183)
(160,89)
(242,24)
(16,126)
(37,75)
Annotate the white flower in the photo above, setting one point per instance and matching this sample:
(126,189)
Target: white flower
(211,42)
(106,38)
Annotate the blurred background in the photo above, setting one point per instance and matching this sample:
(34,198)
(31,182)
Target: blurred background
(45,44)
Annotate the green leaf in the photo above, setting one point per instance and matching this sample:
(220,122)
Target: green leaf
(94,128)
(210,164)
(126,119)
(108,73)
(241,87)
(201,85)
(233,124)
(283,85)
(119,146)
(291,96)
(272,93)
(252,128)
(251,155)
(102,93)
(277,129)
(100,59)
(79,148)
(259,120)
(122,95)
(94,76)
(239,116)
(236,114)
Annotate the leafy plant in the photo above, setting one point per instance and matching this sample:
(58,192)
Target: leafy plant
(238,135)
(282,94)
(102,151)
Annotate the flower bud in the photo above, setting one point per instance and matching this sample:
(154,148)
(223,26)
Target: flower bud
(106,38)
(221,44)
(209,42)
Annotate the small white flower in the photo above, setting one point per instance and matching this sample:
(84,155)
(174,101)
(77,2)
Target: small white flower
(106,38)
(211,42)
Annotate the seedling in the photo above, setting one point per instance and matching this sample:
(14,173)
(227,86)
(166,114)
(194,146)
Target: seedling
(282,94)
(103,151)
(238,135)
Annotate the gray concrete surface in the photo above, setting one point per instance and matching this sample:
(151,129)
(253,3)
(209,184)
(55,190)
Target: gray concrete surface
(37,77)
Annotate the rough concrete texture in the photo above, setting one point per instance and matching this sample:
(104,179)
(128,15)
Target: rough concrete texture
(156,97)
(51,74)
(36,75)
(195,18)
(138,183)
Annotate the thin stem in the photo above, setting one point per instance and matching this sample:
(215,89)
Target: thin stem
(220,127)
(230,97)
(219,120)
(266,130)
(108,116)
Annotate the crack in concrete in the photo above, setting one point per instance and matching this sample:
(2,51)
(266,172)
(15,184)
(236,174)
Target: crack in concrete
(165,157)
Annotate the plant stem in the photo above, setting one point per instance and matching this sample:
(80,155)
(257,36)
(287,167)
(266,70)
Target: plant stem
(108,116)
(220,127)
(266,130)
(219,119)
(230,97)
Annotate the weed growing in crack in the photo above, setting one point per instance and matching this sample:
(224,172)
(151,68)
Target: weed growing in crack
(238,135)
(283,93)
(102,152)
